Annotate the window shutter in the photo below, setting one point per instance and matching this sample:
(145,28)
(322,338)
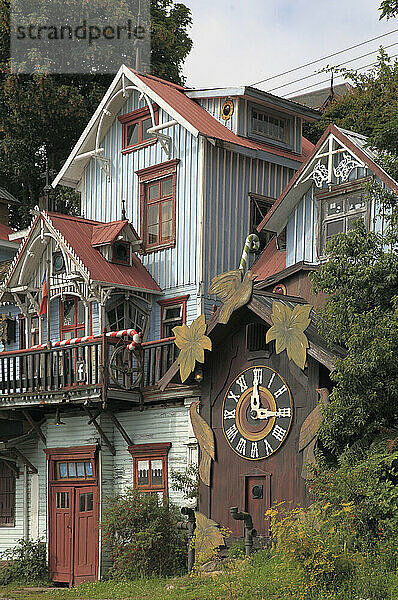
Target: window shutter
(7,495)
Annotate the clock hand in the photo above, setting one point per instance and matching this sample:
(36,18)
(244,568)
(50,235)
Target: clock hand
(264,413)
(255,399)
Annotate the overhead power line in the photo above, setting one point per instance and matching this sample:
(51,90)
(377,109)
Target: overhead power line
(339,65)
(313,62)
(328,80)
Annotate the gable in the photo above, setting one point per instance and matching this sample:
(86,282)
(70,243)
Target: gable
(336,155)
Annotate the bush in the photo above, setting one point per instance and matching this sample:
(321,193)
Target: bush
(369,483)
(142,535)
(27,563)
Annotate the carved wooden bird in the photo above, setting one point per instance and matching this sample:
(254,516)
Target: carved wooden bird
(309,432)
(233,291)
(205,437)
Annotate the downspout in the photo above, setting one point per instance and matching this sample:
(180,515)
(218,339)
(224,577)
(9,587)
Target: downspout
(25,504)
(201,206)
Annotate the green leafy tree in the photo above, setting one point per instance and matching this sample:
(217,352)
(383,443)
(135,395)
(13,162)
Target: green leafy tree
(389,9)
(42,115)
(361,314)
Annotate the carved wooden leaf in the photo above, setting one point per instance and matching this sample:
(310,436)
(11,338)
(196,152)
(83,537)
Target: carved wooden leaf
(207,535)
(288,331)
(192,343)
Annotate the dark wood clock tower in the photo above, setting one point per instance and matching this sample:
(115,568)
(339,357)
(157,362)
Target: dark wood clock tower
(256,402)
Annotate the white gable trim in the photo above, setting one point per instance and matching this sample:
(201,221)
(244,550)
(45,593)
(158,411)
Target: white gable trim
(116,86)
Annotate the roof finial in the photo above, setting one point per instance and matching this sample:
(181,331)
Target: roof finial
(138,41)
(124,216)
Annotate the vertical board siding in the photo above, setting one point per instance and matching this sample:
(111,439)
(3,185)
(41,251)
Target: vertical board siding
(172,267)
(214,105)
(229,178)
(302,229)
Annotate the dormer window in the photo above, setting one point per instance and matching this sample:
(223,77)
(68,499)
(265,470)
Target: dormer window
(269,125)
(135,127)
(121,252)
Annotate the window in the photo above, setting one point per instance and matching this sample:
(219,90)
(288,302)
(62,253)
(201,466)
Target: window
(34,330)
(158,205)
(65,470)
(150,467)
(125,314)
(269,126)
(339,213)
(72,318)
(135,127)
(259,206)
(121,252)
(7,496)
(173,313)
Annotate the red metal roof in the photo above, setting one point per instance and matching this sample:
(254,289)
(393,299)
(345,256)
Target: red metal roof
(106,233)
(270,261)
(207,125)
(78,232)
(4,231)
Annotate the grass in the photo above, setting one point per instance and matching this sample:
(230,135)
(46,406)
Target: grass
(265,577)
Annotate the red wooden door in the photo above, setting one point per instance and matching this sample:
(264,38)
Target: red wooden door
(73,547)
(85,534)
(61,534)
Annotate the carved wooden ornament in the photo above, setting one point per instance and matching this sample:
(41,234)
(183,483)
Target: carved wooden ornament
(288,331)
(208,537)
(192,343)
(205,437)
(233,291)
(309,432)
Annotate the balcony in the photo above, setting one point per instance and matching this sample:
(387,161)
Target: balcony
(102,366)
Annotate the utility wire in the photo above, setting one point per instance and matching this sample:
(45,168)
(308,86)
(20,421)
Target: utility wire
(325,57)
(328,80)
(339,65)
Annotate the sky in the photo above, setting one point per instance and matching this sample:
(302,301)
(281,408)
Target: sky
(238,42)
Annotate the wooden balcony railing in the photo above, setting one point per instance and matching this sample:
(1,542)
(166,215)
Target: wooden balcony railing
(100,362)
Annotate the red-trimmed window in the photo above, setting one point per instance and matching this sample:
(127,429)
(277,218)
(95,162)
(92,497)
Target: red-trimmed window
(7,496)
(158,205)
(150,467)
(173,313)
(72,318)
(135,127)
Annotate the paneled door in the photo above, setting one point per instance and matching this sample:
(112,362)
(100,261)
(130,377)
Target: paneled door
(73,547)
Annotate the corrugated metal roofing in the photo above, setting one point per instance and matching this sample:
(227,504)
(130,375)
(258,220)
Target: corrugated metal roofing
(4,231)
(107,232)
(207,125)
(270,261)
(78,233)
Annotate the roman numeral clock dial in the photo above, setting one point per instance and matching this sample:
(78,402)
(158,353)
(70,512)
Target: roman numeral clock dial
(257,413)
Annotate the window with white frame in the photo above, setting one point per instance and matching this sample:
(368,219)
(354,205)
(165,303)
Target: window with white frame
(272,126)
(173,313)
(339,214)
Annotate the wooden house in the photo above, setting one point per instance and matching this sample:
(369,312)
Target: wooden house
(262,408)
(171,181)
(325,197)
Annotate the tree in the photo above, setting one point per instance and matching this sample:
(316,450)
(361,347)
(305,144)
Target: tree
(42,115)
(389,9)
(361,314)
(371,109)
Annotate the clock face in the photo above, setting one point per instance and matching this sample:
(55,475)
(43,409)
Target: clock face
(257,413)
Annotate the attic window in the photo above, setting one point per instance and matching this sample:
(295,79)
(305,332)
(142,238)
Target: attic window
(135,127)
(269,126)
(339,214)
(121,252)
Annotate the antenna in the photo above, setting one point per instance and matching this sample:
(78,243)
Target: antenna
(138,59)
